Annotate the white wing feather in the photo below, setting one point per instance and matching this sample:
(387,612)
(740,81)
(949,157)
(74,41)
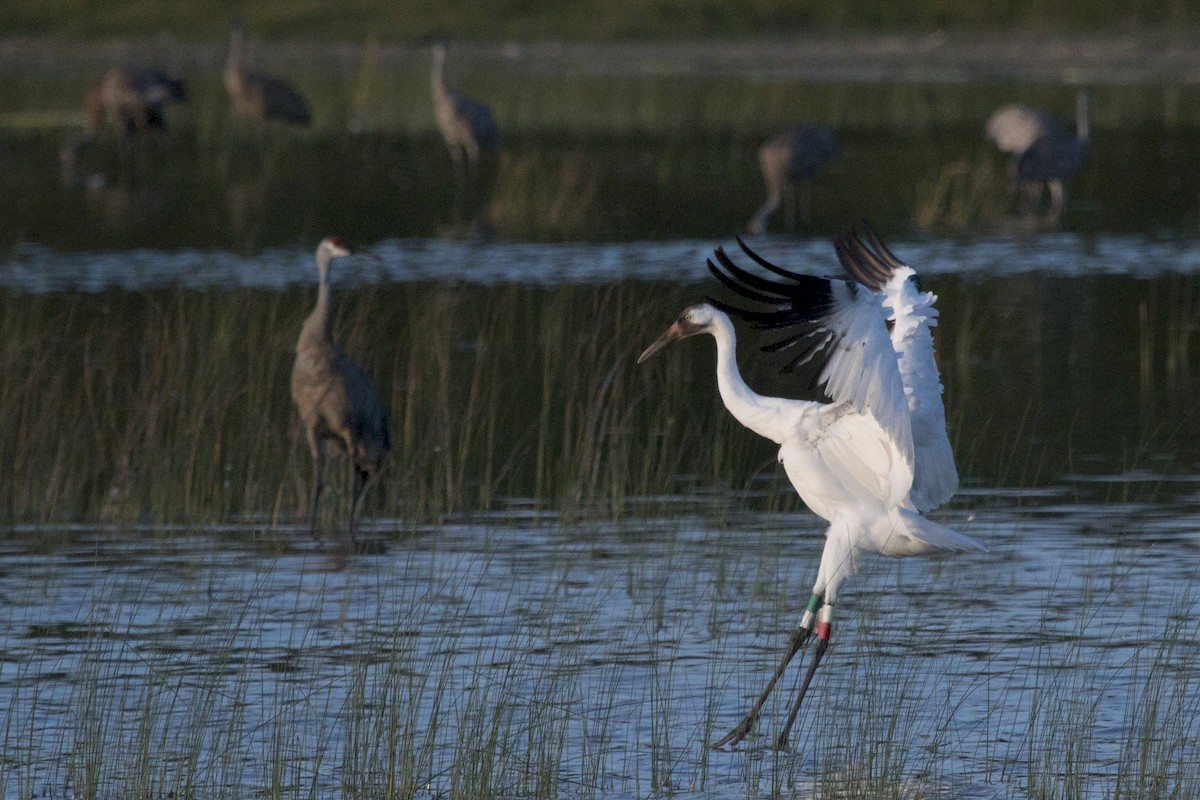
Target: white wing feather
(913,317)
(861,367)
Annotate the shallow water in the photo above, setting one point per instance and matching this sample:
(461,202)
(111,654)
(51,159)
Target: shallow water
(35,268)
(516,653)
(512,651)
(600,659)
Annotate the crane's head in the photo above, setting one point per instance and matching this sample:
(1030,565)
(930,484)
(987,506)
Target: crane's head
(699,318)
(332,247)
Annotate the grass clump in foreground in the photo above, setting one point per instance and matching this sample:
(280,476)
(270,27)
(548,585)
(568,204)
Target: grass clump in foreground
(517,662)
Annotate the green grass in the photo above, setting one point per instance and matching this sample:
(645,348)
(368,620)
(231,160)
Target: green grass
(173,405)
(626,19)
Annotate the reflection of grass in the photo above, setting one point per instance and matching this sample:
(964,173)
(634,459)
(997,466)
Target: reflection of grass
(558,196)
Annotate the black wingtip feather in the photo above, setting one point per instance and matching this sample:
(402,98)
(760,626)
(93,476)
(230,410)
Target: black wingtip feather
(738,287)
(796,301)
(862,263)
(767,265)
(755,282)
(885,254)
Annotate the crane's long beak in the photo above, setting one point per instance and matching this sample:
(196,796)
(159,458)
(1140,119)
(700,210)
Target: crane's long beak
(676,331)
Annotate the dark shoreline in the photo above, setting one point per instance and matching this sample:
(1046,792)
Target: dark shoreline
(1140,57)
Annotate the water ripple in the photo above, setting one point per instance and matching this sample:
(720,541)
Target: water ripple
(36,268)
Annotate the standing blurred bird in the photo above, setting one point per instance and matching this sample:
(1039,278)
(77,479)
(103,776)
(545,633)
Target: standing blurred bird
(131,99)
(870,461)
(1042,152)
(1014,127)
(338,402)
(466,125)
(794,156)
(260,98)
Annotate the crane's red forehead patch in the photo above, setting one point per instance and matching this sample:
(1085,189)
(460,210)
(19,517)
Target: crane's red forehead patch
(337,241)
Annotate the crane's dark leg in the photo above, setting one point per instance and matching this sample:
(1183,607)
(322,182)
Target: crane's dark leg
(1058,199)
(824,630)
(361,479)
(315,494)
(799,638)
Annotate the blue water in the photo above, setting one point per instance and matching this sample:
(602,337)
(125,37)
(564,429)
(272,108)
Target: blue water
(604,657)
(528,655)
(35,268)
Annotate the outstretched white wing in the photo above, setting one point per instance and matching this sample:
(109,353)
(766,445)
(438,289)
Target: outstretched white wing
(913,315)
(842,322)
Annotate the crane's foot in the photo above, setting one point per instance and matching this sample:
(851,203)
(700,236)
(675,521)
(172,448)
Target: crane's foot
(739,732)
(824,631)
(799,638)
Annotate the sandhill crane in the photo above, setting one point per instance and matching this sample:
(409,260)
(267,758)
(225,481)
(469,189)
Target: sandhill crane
(793,156)
(260,98)
(131,98)
(1014,127)
(877,456)
(338,402)
(466,125)
(1054,159)
(1042,152)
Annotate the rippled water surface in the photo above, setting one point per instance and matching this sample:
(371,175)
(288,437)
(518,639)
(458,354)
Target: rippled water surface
(578,572)
(517,652)
(601,659)
(38,269)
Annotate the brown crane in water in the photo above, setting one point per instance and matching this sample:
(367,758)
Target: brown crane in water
(466,125)
(794,156)
(131,99)
(338,402)
(257,97)
(1042,152)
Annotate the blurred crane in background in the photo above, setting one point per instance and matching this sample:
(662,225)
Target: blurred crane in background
(466,125)
(793,156)
(132,99)
(129,98)
(257,97)
(1042,152)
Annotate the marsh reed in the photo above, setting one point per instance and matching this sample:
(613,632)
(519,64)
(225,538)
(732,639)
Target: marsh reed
(173,406)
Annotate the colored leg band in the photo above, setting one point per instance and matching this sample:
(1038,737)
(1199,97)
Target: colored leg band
(825,622)
(814,603)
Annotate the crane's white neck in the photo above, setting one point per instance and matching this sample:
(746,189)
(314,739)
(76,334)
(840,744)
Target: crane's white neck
(758,413)
(437,72)
(234,61)
(320,320)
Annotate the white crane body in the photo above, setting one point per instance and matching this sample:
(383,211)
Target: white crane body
(872,459)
